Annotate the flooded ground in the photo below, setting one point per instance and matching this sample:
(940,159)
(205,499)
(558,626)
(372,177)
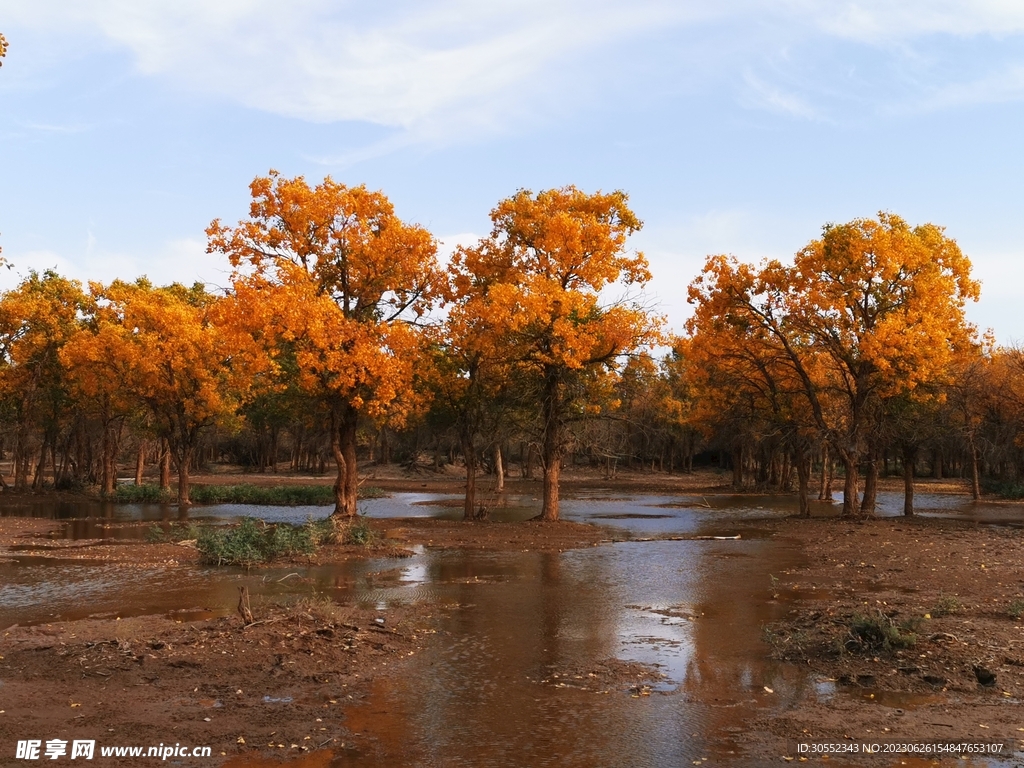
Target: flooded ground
(506,680)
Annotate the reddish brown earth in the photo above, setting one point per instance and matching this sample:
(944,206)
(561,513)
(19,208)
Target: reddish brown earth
(955,587)
(204,682)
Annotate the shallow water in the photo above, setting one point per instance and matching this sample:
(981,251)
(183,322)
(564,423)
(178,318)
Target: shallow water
(484,692)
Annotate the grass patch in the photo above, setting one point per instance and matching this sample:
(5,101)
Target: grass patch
(786,645)
(881,633)
(358,532)
(140,494)
(253,541)
(1015,610)
(245,493)
(947,606)
(1008,489)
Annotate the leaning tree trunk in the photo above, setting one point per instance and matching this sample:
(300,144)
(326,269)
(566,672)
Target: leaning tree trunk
(909,462)
(344,420)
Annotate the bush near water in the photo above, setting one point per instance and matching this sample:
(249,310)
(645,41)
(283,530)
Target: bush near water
(276,495)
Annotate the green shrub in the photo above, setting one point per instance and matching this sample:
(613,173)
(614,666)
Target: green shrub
(139,494)
(1008,489)
(244,493)
(881,633)
(253,541)
(358,532)
(1015,609)
(947,606)
(276,495)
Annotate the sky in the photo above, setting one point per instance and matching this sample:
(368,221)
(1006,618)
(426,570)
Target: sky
(739,126)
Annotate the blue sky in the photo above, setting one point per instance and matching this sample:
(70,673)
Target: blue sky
(739,126)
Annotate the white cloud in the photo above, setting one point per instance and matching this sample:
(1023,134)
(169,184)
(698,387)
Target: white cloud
(182,260)
(878,21)
(994,88)
(443,70)
(412,65)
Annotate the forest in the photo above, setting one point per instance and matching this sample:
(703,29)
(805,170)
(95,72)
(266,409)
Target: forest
(342,338)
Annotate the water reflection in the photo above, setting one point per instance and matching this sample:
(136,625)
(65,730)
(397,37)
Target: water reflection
(476,695)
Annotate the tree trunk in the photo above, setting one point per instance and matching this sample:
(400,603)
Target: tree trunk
(20,459)
(184,462)
(344,421)
(37,478)
(165,465)
(140,462)
(469,455)
(552,447)
(975,475)
(111,441)
(552,468)
(803,474)
(499,468)
(737,467)
(867,507)
(850,509)
(937,464)
(909,462)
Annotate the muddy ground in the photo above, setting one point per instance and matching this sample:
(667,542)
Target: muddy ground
(951,597)
(281,687)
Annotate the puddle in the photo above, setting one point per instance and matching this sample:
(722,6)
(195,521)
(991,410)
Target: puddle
(689,608)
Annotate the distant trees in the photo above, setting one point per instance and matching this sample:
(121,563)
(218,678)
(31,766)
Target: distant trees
(326,350)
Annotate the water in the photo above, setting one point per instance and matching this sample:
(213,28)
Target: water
(483,692)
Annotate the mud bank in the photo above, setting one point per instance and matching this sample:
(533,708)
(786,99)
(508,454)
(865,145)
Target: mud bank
(949,661)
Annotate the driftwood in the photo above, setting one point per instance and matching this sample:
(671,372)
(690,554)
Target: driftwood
(243,606)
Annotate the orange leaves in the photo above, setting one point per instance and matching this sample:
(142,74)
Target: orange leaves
(870,312)
(529,297)
(333,272)
(540,273)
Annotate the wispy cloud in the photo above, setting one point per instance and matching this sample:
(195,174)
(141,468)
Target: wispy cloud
(775,98)
(436,71)
(423,67)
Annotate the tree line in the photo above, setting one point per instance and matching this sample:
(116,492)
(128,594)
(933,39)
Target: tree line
(341,336)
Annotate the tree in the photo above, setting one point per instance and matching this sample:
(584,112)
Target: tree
(181,356)
(538,280)
(332,274)
(36,320)
(873,309)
